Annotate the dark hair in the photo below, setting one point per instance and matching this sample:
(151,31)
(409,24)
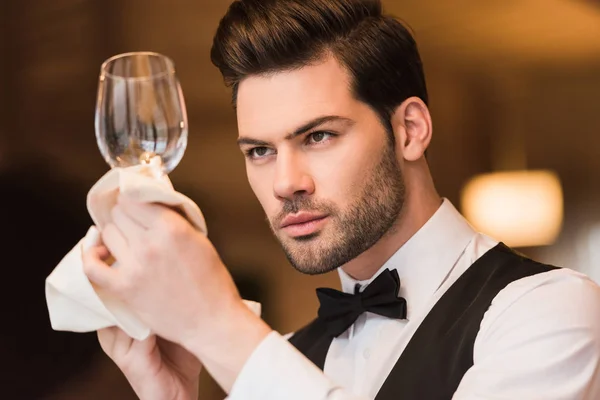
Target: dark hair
(264,36)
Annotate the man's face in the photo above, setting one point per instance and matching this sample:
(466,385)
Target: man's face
(320,163)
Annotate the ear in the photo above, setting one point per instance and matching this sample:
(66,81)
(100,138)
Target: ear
(412,128)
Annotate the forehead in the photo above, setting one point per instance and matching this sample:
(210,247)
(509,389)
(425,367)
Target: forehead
(276,104)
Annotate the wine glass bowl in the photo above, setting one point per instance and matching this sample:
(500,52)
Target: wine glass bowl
(140,111)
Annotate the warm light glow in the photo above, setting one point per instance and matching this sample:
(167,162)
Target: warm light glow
(519,208)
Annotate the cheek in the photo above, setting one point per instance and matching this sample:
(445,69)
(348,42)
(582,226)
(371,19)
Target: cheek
(262,186)
(343,173)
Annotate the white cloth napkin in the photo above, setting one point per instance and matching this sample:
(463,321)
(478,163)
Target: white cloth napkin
(74,304)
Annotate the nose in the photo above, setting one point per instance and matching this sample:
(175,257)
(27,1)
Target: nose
(292,178)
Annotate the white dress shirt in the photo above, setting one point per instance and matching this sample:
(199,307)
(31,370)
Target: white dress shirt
(540,338)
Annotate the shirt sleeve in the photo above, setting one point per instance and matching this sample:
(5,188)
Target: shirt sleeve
(277,370)
(540,339)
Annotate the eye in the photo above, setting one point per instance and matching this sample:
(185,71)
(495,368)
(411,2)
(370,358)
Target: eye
(258,152)
(319,137)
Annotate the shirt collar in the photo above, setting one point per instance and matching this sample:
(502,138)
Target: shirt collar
(426,259)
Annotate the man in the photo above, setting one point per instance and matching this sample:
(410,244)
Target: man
(333,120)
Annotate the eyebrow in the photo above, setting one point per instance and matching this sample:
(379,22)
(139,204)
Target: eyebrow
(315,123)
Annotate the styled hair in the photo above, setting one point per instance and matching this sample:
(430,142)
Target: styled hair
(259,37)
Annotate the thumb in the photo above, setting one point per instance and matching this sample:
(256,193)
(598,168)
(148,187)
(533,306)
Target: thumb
(97,270)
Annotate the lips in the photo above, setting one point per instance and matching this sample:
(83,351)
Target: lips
(303,224)
(300,218)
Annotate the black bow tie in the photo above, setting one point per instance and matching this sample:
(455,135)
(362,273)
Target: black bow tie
(340,310)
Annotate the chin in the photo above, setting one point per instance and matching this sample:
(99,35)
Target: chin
(311,269)
(306,238)
(303,254)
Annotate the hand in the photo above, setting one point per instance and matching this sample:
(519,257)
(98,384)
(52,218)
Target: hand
(171,276)
(155,368)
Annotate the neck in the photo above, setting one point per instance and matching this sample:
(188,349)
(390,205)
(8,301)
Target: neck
(421,202)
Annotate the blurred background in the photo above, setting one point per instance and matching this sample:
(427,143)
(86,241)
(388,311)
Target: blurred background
(514,86)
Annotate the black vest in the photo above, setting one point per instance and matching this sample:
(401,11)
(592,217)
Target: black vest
(441,350)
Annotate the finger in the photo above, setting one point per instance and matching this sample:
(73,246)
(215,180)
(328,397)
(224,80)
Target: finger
(92,238)
(99,252)
(108,338)
(116,242)
(148,215)
(97,271)
(144,214)
(115,342)
(127,225)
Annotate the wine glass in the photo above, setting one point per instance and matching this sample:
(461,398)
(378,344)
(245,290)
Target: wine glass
(140,111)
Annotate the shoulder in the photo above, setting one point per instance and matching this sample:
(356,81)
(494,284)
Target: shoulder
(540,338)
(555,302)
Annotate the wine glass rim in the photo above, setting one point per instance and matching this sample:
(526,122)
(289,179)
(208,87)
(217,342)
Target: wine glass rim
(169,71)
